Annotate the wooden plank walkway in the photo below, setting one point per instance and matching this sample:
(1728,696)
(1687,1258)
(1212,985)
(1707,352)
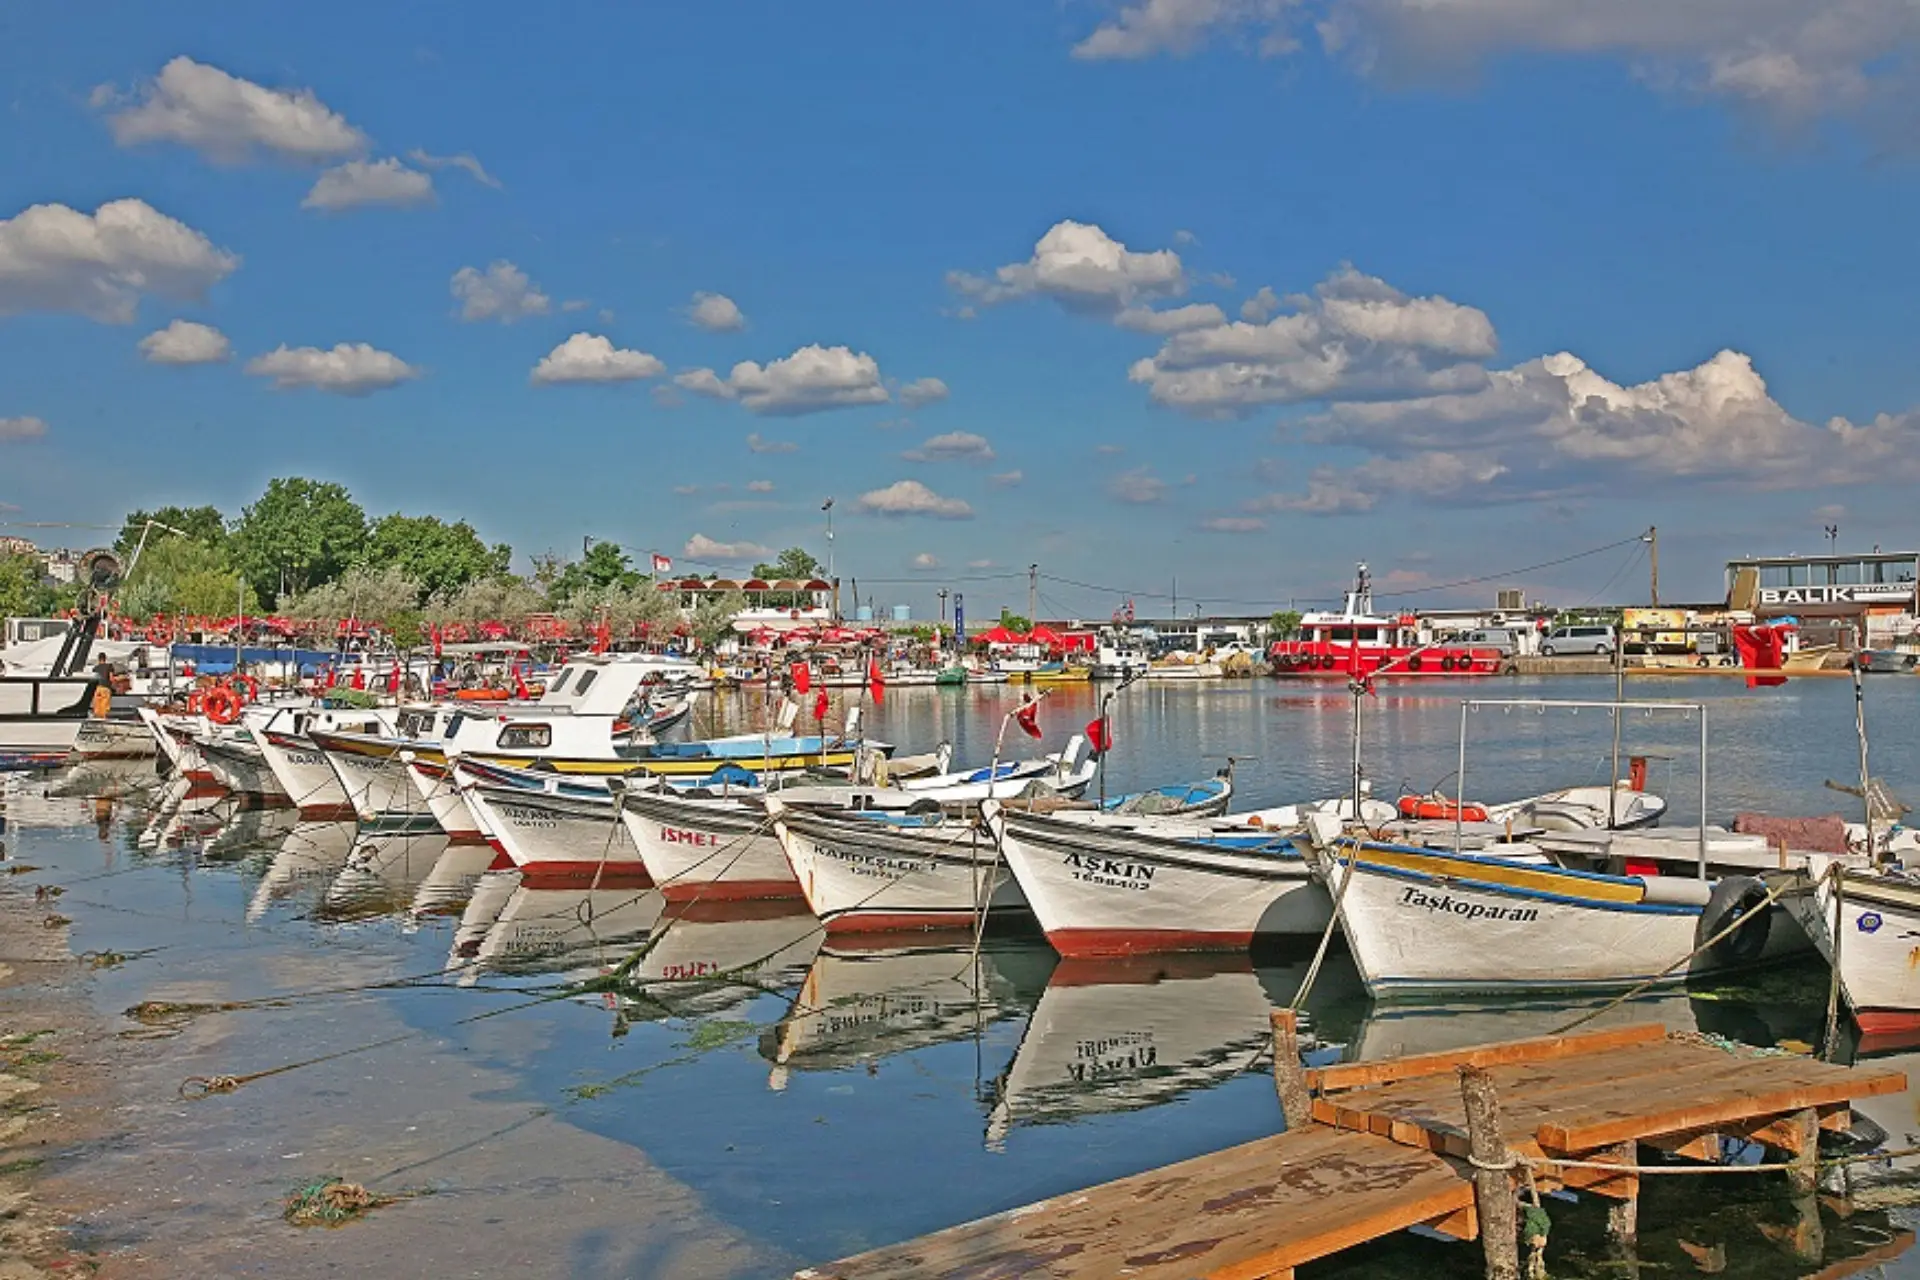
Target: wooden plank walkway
(1386,1152)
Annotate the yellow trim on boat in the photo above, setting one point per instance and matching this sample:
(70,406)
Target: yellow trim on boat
(1535,879)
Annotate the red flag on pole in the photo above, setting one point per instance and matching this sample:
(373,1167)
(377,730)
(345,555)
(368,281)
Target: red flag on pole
(438,637)
(359,680)
(802,677)
(393,679)
(1100,735)
(820,707)
(520,689)
(876,682)
(1028,718)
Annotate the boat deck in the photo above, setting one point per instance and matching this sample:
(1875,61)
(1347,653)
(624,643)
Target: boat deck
(1387,1150)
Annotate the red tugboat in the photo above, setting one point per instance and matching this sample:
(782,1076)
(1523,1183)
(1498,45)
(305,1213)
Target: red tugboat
(1389,647)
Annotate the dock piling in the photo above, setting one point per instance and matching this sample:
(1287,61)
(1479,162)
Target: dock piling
(1623,1215)
(1289,1077)
(1492,1174)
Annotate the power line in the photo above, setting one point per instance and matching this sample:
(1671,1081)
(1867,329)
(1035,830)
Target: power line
(1508,573)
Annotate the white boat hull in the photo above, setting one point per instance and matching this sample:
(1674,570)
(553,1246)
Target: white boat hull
(373,784)
(867,876)
(1419,923)
(1879,946)
(114,740)
(555,838)
(708,850)
(1118,893)
(310,782)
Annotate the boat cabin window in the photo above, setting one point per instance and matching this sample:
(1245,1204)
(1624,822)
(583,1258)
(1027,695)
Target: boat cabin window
(454,722)
(587,678)
(416,724)
(1347,633)
(527,736)
(560,685)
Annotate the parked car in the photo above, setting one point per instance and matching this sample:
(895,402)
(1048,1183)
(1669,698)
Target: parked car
(1501,639)
(1578,640)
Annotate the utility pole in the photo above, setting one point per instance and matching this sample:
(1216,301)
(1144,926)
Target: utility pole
(586,544)
(1653,543)
(834,582)
(1833,539)
(1033,587)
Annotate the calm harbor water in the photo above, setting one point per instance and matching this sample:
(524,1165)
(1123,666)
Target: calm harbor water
(835,1099)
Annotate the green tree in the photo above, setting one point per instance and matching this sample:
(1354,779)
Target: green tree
(604,565)
(712,619)
(202,524)
(24,589)
(501,599)
(794,562)
(384,596)
(1283,623)
(178,575)
(1014,622)
(300,534)
(441,557)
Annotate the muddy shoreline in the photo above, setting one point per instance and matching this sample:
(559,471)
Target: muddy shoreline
(106,1171)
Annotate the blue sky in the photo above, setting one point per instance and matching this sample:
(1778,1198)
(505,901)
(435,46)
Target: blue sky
(927,233)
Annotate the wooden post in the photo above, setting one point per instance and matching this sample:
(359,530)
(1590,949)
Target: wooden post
(1492,1179)
(1289,1078)
(1805,1239)
(1803,1178)
(1623,1216)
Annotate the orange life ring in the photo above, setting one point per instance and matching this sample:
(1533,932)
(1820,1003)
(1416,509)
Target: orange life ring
(1437,807)
(480,695)
(220,705)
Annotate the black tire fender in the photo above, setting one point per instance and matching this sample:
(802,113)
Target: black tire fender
(1735,898)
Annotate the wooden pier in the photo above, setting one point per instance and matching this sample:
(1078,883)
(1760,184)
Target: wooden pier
(1390,1145)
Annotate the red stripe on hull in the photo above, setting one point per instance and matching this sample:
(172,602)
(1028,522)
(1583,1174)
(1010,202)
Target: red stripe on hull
(729,890)
(329,813)
(458,838)
(900,922)
(502,860)
(1146,969)
(624,875)
(1093,944)
(1888,1022)
(755,909)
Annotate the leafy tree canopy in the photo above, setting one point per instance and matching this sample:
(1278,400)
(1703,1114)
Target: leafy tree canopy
(1014,622)
(202,524)
(178,575)
(794,562)
(1283,623)
(300,534)
(441,557)
(24,590)
(604,565)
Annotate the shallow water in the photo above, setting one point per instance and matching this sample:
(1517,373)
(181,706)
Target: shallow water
(821,1100)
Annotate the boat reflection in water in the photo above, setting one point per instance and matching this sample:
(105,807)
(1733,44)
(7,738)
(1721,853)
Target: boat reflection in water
(382,870)
(705,959)
(1122,1034)
(309,857)
(577,933)
(450,883)
(857,1006)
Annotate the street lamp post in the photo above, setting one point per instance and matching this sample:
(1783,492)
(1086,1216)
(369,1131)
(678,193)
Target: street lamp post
(1833,538)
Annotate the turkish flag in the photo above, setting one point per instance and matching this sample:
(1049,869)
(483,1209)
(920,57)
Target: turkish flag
(1028,717)
(1100,734)
(820,707)
(876,682)
(359,680)
(802,677)
(393,679)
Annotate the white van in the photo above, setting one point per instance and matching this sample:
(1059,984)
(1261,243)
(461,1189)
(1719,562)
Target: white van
(1501,639)
(1583,639)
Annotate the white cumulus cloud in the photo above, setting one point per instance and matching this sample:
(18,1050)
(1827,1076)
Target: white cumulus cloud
(922,391)
(185,342)
(1196,315)
(925,562)
(811,379)
(911,498)
(1357,337)
(26,427)
(756,443)
(1081,267)
(716,313)
(701,547)
(502,292)
(227,119)
(349,369)
(53,258)
(1138,487)
(463,161)
(361,183)
(1150,27)
(588,357)
(952,446)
